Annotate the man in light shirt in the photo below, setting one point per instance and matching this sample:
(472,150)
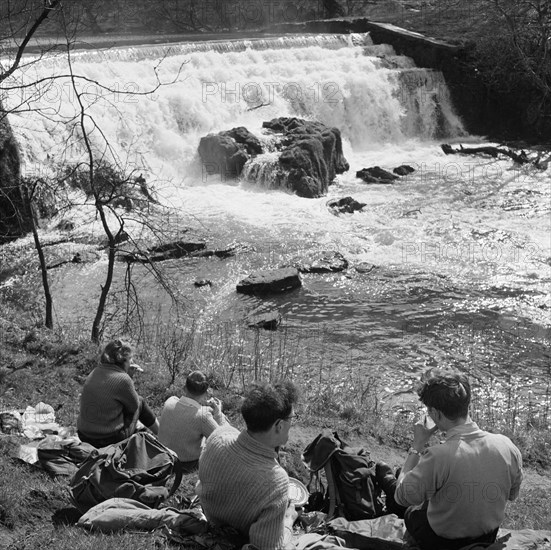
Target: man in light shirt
(187,421)
(453,494)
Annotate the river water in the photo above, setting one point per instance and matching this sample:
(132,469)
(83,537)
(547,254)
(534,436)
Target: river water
(461,248)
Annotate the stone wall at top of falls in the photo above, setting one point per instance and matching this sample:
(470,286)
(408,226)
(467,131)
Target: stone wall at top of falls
(500,115)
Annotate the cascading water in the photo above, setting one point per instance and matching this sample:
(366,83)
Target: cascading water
(460,276)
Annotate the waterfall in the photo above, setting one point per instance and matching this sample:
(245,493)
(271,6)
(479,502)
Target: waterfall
(148,106)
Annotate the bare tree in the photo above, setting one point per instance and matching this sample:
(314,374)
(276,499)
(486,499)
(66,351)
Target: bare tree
(19,23)
(29,189)
(513,51)
(19,26)
(108,185)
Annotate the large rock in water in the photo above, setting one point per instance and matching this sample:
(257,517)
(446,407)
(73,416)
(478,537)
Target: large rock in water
(345,205)
(227,152)
(376,174)
(271,280)
(311,155)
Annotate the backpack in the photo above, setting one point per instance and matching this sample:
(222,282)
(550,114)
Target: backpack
(352,492)
(138,468)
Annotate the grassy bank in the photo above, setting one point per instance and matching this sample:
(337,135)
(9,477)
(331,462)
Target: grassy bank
(40,365)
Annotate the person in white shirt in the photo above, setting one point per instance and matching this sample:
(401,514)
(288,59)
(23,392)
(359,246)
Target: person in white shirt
(187,421)
(453,494)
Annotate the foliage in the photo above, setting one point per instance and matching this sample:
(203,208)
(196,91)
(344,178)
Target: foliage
(513,49)
(109,184)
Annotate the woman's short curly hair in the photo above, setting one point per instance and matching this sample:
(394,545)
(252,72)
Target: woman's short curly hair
(264,404)
(447,391)
(116,352)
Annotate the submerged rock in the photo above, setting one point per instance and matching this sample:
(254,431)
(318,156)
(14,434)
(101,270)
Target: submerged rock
(346,205)
(311,155)
(202,282)
(64,253)
(403,170)
(330,262)
(160,253)
(364,267)
(270,280)
(376,174)
(268,321)
(174,250)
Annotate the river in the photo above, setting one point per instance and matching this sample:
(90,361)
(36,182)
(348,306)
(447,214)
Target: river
(460,249)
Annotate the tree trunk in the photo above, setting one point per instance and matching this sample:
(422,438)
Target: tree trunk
(49,321)
(96,330)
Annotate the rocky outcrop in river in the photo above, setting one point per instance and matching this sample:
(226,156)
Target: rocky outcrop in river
(310,154)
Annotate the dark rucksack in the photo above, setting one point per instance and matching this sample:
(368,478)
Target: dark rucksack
(138,467)
(352,488)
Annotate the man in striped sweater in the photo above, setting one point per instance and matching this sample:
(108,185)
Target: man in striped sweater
(241,483)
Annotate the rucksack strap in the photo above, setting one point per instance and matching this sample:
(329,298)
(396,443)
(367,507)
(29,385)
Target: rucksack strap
(334,499)
(317,483)
(178,473)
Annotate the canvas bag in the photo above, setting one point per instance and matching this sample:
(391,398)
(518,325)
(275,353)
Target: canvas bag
(61,457)
(350,475)
(138,467)
(117,514)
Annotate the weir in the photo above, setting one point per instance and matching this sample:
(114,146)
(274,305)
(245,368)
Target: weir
(148,106)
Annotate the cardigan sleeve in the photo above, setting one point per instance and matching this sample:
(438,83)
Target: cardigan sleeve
(128,397)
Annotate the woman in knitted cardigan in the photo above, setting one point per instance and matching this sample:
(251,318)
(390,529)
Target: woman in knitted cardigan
(110,407)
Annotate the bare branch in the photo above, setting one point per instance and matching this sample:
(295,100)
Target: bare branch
(49,6)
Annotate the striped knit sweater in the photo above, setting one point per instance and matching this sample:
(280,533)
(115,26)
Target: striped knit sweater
(108,403)
(185,424)
(242,485)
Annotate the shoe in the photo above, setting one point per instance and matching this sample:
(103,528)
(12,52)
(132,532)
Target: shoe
(382,469)
(409,542)
(385,477)
(387,482)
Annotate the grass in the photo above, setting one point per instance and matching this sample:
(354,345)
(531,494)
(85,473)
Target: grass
(40,365)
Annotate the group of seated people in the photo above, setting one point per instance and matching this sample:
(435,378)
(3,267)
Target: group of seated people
(450,495)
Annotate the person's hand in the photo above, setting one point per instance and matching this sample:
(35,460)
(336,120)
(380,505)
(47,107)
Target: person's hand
(422,433)
(215,404)
(291,514)
(133,369)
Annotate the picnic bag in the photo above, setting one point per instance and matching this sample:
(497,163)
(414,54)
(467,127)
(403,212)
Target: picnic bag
(352,492)
(62,457)
(138,468)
